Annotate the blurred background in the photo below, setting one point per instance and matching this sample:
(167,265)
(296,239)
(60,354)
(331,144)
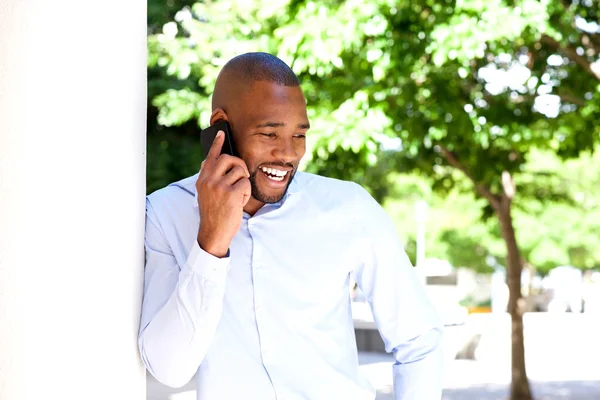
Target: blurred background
(475,123)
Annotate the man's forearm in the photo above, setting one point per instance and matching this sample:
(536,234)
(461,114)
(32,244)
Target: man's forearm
(177,337)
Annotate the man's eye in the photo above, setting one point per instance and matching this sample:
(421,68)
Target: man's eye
(270,135)
(300,136)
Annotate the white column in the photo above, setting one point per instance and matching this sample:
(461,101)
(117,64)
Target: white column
(72,185)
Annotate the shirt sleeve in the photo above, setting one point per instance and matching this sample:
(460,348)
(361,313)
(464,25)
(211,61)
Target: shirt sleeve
(181,308)
(407,321)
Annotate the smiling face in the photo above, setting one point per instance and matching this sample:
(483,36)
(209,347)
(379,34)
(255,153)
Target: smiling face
(269,124)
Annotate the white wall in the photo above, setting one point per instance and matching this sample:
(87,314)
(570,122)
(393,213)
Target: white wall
(72,185)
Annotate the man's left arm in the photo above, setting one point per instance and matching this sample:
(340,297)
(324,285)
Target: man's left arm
(407,321)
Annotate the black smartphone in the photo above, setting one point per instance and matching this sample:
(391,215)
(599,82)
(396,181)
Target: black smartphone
(207,136)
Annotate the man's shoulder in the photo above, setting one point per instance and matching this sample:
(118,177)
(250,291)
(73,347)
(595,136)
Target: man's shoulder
(332,197)
(331,192)
(176,192)
(318,184)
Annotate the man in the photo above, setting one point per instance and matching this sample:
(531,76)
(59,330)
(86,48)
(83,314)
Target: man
(248,264)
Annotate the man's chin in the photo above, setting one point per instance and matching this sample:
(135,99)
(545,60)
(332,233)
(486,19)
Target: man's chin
(268,196)
(269,191)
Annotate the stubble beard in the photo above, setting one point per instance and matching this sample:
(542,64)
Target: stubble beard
(263,197)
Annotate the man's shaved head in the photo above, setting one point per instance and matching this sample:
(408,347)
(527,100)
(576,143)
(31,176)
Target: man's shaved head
(242,71)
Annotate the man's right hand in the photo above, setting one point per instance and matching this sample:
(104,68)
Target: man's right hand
(223,191)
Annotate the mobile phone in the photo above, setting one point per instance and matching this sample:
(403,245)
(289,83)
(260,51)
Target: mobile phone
(207,136)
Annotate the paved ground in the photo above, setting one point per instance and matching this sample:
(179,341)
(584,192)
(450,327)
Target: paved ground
(562,353)
(378,370)
(577,390)
(478,380)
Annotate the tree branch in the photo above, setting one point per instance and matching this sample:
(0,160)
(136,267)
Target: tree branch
(482,189)
(300,43)
(595,39)
(590,42)
(570,53)
(569,98)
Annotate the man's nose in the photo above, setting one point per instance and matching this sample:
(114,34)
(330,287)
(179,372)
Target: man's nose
(285,150)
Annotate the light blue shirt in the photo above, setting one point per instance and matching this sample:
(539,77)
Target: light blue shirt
(273,319)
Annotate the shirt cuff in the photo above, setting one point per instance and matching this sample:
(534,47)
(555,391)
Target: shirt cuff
(209,267)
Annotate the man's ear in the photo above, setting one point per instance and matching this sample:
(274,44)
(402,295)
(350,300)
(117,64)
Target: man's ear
(218,115)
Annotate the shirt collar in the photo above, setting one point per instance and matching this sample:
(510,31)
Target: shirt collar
(292,189)
(294,185)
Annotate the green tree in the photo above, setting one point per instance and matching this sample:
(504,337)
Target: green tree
(551,231)
(465,86)
(454,228)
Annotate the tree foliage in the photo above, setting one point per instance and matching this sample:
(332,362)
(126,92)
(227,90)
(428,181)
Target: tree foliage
(550,232)
(485,79)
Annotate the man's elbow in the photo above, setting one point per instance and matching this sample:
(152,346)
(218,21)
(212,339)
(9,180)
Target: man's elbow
(427,344)
(168,372)
(175,381)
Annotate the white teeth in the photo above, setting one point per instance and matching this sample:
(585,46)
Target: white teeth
(275,172)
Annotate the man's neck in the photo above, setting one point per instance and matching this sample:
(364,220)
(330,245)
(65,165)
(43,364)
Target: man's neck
(253,206)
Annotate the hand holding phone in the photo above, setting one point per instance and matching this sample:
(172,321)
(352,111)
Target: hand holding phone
(223,190)
(207,137)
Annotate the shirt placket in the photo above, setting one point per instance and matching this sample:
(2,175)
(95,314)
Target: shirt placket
(267,350)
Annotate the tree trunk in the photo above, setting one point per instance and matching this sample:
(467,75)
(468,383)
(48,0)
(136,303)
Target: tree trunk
(519,389)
